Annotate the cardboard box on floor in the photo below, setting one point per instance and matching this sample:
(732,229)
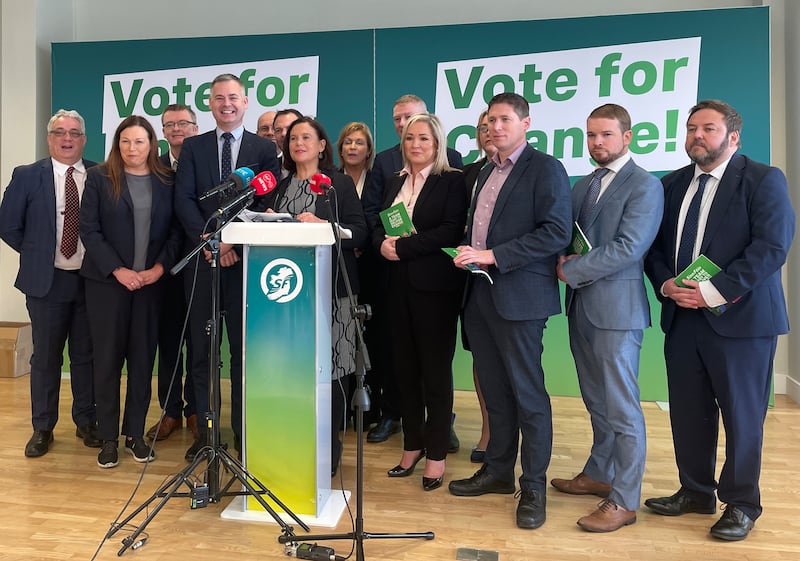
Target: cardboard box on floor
(16,346)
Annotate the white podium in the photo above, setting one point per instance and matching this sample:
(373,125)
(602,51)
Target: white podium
(286,369)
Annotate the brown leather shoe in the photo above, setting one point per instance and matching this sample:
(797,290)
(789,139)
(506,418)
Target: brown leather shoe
(191,424)
(168,426)
(608,517)
(582,484)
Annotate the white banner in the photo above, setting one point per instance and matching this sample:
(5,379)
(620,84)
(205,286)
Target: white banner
(269,85)
(655,81)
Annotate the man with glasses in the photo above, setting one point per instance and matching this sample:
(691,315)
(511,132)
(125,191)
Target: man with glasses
(178,123)
(39,218)
(265,128)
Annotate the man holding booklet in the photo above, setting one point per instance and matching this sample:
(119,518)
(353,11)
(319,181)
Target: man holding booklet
(617,208)
(737,214)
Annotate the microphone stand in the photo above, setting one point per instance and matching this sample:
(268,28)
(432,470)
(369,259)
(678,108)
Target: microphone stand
(361,403)
(215,454)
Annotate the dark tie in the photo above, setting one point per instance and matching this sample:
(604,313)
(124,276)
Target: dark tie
(226,168)
(591,197)
(175,165)
(689,234)
(72,216)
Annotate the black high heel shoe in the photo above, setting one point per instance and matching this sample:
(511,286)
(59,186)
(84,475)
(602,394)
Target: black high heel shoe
(431,483)
(400,471)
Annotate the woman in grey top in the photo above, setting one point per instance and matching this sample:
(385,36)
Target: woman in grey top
(131,241)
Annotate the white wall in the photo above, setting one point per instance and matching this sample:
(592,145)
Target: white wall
(29,26)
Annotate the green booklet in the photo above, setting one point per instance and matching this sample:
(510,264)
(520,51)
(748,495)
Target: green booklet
(701,269)
(396,221)
(472,267)
(580,244)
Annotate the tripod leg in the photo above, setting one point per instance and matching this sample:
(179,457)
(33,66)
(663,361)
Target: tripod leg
(165,492)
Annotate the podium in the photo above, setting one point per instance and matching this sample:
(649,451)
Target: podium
(286,368)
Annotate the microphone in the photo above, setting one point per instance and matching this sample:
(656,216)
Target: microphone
(239,178)
(261,184)
(320,184)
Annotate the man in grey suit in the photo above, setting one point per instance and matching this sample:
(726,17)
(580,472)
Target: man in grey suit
(520,221)
(619,208)
(39,219)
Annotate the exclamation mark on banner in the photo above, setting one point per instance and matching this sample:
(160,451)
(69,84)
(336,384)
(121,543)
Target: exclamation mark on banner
(672,131)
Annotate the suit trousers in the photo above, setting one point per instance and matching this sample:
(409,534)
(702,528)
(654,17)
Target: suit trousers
(607,362)
(424,337)
(508,358)
(124,327)
(709,375)
(56,318)
(170,351)
(199,315)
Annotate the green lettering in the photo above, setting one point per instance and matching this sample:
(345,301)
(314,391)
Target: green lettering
(469,132)
(671,66)
(649,77)
(563,78)
(266,100)
(462,99)
(201,97)
(125,108)
(489,89)
(529,76)
(180,89)
(537,139)
(608,67)
(149,97)
(644,138)
(294,87)
(560,137)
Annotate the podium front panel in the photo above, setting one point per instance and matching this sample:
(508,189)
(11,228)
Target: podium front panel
(287,373)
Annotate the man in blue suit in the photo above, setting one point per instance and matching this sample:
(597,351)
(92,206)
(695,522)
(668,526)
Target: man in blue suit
(203,163)
(32,222)
(721,333)
(520,221)
(619,208)
(388,163)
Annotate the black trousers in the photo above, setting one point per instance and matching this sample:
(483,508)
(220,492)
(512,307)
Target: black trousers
(124,327)
(56,318)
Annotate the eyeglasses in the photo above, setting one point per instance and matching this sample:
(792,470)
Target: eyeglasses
(178,124)
(72,133)
(483,129)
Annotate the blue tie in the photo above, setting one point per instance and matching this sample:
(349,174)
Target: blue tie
(591,197)
(226,168)
(689,235)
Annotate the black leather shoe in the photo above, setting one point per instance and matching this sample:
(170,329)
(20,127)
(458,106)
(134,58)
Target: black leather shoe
(431,483)
(400,471)
(39,443)
(383,430)
(89,436)
(680,503)
(481,483)
(454,444)
(477,456)
(196,446)
(734,525)
(531,509)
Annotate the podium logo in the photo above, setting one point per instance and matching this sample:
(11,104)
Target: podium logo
(281,280)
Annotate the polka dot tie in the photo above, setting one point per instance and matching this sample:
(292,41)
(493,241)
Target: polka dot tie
(69,238)
(226,168)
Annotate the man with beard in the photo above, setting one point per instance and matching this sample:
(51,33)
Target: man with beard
(618,207)
(721,333)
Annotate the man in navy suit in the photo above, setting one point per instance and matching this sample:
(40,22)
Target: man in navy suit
(178,123)
(202,163)
(721,333)
(387,164)
(521,219)
(32,219)
(619,208)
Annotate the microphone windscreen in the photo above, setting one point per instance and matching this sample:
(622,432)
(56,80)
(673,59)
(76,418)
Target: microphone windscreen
(263,183)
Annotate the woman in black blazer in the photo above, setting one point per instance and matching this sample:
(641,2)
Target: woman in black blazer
(486,147)
(131,241)
(424,293)
(307,153)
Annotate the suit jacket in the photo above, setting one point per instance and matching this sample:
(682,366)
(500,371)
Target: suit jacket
(28,224)
(749,230)
(348,212)
(199,171)
(439,217)
(107,227)
(531,224)
(622,226)
(386,165)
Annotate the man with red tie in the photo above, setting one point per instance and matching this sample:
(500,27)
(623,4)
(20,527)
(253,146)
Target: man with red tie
(39,218)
